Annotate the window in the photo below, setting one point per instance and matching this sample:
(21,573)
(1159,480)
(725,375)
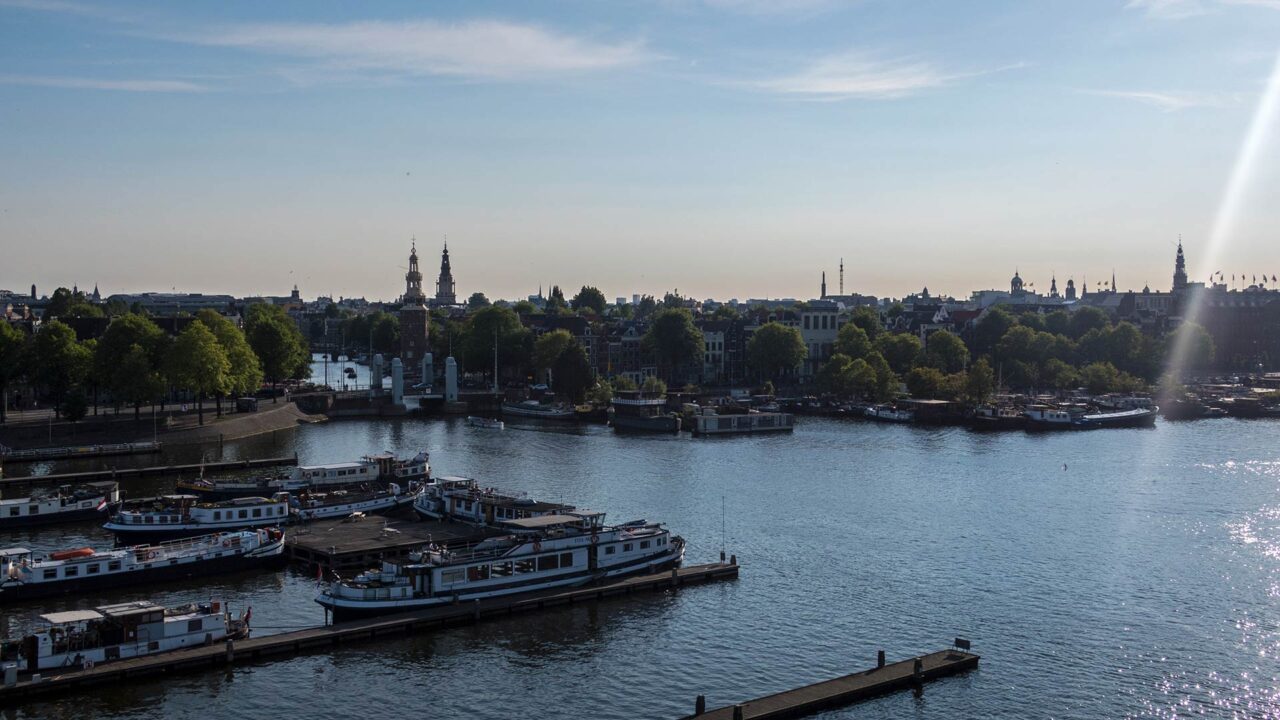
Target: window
(452,576)
(217,514)
(244,514)
(92,569)
(611,549)
(478,572)
(51,574)
(195,626)
(626,547)
(113,566)
(280,510)
(806,322)
(501,569)
(548,562)
(566,559)
(257,512)
(524,566)
(644,544)
(150,520)
(13,511)
(70,571)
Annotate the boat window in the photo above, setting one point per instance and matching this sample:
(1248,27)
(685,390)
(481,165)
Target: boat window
(566,559)
(501,569)
(150,520)
(70,571)
(280,510)
(611,549)
(13,511)
(626,547)
(217,514)
(524,566)
(478,572)
(257,512)
(548,562)
(195,626)
(33,510)
(452,576)
(51,574)
(644,544)
(113,566)
(244,514)
(92,569)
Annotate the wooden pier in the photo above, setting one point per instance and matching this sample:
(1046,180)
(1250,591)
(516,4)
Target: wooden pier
(160,470)
(76,452)
(261,649)
(340,544)
(845,690)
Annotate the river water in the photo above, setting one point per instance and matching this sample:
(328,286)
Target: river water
(1099,574)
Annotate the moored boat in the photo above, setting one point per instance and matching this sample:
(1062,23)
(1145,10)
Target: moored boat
(80,639)
(888,413)
(342,503)
(68,503)
(178,516)
(485,423)
(26,576)
(539,553)
(1048,417)
(537,410)
(997,417)
(709,422)
(1137,417)
(369,471)
(462,499)
(637,411)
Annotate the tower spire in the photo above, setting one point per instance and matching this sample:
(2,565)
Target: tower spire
(842,276)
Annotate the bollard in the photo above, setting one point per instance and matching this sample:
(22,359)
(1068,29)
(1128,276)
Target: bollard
(733,559)
(700,705)
(231,651)
(721,556)
(880,659)
(737,712)
(918,668)
(675,578)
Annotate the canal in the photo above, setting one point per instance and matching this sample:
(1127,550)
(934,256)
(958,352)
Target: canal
(1100,574)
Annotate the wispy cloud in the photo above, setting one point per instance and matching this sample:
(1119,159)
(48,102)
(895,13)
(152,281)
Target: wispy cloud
(1179,9)
(79,83)
(482,49)
(1167,101)
(850,76)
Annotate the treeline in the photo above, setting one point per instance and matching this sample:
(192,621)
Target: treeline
(135,362)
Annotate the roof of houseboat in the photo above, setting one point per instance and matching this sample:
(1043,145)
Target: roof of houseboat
(542,521)
(70,616)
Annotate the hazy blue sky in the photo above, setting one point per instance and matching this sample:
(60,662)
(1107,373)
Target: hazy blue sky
(721,147)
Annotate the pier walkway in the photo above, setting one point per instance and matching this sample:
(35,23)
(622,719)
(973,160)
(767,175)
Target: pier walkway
(159,470)
(261,649)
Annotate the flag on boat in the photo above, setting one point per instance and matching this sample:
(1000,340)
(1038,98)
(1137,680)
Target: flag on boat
(102,505)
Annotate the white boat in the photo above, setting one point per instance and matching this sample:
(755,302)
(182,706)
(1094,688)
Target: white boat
(176,516)
(1048,417)
(462,499)
(709,422)
(85,569)
(341,503)
(80,639)
(888,413)
(539,553)
(535,409)
(68,503)
(486,423)
(369,471)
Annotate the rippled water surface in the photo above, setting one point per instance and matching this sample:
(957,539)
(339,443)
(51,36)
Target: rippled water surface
(1102,574)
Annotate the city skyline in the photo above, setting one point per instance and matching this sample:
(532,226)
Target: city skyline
(638,148)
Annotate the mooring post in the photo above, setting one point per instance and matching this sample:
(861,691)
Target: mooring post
(880,659)
(721,556)
(700,705)
(733,559)
(231,651)
(737,712)
(675,578)
(917,676)
(475,610)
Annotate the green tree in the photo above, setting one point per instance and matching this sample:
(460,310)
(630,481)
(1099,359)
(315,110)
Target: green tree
(67,304)
(853,342)
(980,381)
(1058,375)
(886,383)
(1058,322)
(601,394)
(622,382)
(12,346)
(925,382)
(1100,377)
(197,363)
(74,406)
(673,338)
(725,312)
(548,348)
(244,369)
(136,379)
(646,307)
(589,298)
(116,344)
(278,343)
(837,376)
(386,332)
(1033,321)
(57,362)
(555,301)
(654,385)
(572,372)
(524,307)
(946,352)
(867,318)
(1018,344)
(774,349)
(1198,348)
(900,350)
(488,324)
(989,329)
(477,301)
(332,311)
(1086,319)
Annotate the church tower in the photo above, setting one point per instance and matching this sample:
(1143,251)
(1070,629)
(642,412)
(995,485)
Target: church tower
(1015,285)
(1071,288)
(445,294)
(1053,286)
(414,318)
(1180,270)
(824,285)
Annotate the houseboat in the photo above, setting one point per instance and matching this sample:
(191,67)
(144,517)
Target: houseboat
(67,503)
(1137,417)
(80,639)
(342,503)
(889,413)
(538,553)
(462,499)
(997,417)
(179,516)
(485,423)
(369,471)
(638,411)
(86,569)
(1047,417)
(709,422)
(538,411)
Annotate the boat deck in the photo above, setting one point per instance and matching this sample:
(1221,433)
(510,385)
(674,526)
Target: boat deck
(338,544)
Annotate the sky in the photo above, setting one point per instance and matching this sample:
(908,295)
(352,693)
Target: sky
(718,148)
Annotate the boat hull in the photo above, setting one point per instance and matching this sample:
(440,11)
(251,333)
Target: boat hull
(143,535)
(555,415)
(654,424)
(267,556)
(77,515)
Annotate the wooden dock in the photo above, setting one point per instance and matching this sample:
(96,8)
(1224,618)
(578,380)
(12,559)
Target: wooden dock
(76,452)
(847,689)
(261,649)
(339,544)
(156,471)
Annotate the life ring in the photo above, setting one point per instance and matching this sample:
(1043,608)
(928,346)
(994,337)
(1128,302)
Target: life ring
(537,546)
(594,538)
(152,554)
(226,543)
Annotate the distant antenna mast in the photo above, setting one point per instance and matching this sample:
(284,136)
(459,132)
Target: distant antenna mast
(842,276)
(722,527)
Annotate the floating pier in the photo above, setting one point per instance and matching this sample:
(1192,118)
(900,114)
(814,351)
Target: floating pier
(341,544)
(845,690)
(79,451)
(160,470)
(261,649)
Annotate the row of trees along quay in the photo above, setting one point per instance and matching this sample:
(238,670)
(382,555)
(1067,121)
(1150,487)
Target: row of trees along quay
(135,362)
